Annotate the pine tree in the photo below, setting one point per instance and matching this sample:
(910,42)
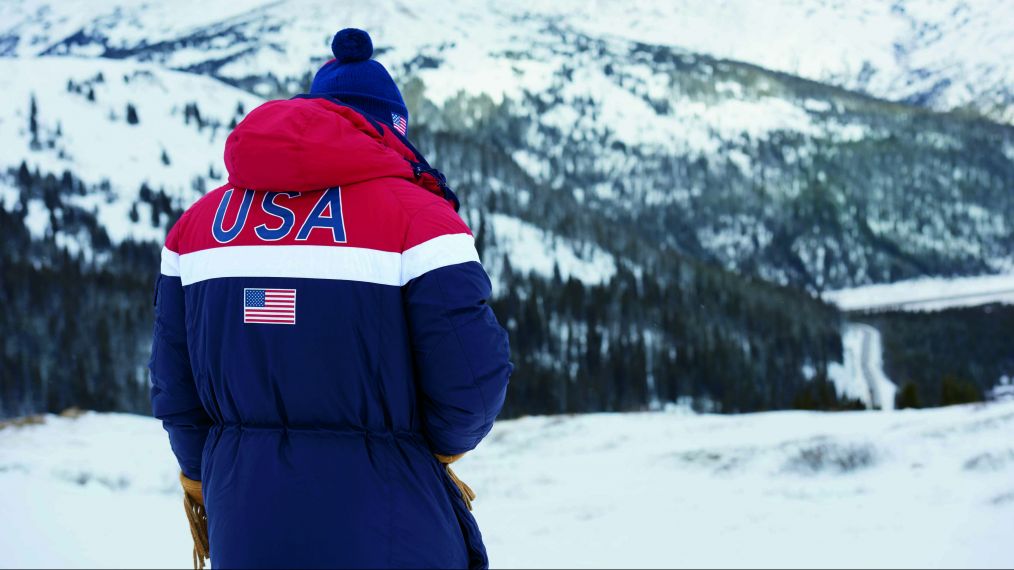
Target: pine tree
(908,397)
(955,390)
(24,176)
(33,123)
(131,114)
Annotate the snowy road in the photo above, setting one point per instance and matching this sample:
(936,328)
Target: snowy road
(926,488)
(926,294)
(946,300)
(882,390)
(861,375)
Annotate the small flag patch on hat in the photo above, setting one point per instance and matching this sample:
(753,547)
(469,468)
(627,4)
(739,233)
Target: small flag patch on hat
(399,122)
(269,306)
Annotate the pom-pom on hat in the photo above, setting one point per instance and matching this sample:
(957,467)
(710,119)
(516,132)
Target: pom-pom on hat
(354,78)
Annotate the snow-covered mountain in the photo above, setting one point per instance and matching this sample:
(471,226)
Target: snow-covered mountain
(945,54)
(714,158)
(651,190)
(929,488)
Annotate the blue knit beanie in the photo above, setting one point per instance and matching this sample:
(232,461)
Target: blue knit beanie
(354,78)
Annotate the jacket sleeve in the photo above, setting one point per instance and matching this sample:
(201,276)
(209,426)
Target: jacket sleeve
(461,353)
(174,398)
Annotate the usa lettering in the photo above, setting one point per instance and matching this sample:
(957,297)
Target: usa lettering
(325,216)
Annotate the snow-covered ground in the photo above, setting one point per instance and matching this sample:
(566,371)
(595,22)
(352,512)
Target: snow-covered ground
(929,488)
(927,294)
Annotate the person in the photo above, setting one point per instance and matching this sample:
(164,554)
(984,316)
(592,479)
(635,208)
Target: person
(322,341)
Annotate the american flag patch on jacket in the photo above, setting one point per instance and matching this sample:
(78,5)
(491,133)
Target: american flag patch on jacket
(399,122)
(269,306)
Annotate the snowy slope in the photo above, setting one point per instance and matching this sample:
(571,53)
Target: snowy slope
(81,111)
(930,488)
(944,54)
(531,250)
(486,57)
(93,140)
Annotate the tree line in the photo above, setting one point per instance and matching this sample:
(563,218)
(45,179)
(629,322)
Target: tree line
(77,321)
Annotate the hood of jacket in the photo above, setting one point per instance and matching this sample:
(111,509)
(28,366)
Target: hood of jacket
(306,143)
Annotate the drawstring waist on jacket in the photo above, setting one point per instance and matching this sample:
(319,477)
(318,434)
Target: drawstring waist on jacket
(467,494)
(334,429)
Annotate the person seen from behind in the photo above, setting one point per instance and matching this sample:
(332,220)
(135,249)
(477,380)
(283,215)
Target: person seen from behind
(323,347)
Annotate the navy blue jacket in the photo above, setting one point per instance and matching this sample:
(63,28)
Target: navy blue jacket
(322,329)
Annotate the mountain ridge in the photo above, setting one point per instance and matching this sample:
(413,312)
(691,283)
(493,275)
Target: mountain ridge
(944,55)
